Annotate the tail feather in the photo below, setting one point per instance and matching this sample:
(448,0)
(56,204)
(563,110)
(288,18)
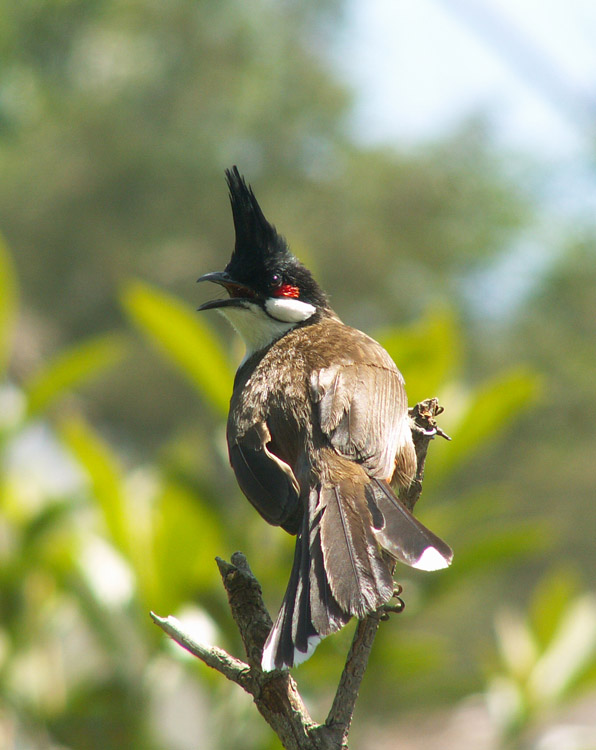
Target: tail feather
(359,578)
(327,615)
(340,567)
(401,534)
(338,572)
(302,627)
(290,634)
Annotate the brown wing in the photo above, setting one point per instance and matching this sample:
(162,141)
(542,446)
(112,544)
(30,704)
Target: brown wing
(363,409)
(266,480)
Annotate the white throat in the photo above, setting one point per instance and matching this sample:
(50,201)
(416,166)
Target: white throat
(258,328)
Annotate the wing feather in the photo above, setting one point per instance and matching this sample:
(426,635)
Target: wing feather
(267,481)
(362,410)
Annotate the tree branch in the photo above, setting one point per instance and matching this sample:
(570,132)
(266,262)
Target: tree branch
(275,694)
(230,667)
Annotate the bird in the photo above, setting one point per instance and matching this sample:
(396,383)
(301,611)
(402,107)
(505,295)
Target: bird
(318,438)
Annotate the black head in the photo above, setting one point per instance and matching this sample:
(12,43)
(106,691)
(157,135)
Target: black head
(261,265)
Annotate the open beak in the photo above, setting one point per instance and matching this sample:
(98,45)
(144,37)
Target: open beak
(236,291)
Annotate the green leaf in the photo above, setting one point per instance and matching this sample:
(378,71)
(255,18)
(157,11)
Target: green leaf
(516,643)
(184,338)
(49,518)
(72,368)
(489,411)
(188,537)
(428,353)
(570,654)
(550,599)
(105,475)
(8,302)
(511,712)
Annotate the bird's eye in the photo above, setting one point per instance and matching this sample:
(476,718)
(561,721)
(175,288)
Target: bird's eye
(280,288)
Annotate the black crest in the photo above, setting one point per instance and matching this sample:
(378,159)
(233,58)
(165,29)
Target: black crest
(257,242)
(260,252)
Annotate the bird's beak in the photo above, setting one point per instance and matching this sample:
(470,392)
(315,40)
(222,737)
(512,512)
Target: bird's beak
(218,277)
(236,291)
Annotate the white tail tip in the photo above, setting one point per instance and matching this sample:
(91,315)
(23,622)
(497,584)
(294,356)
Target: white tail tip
(431,559)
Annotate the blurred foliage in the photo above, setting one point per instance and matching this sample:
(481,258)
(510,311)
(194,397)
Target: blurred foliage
(69,369)
(126,541)
(116,121)
(184,338)
(546,658)
(7,302)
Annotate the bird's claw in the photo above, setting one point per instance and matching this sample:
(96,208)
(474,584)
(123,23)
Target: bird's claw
(423,418)
(396,608)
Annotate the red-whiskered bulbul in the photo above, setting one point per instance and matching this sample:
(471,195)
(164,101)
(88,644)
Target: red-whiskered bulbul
(318,437)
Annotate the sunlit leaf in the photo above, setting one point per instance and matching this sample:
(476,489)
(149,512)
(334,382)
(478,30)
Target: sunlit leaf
(507,705)
(187,539)
(105,475)
(8,302)
(587,679)
(489,411)
(51,516)
(571,652)
(71,369)
(550,599)
(516,644)
(185,338)
(427,353)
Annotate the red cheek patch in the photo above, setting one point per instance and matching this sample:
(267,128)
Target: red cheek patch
(287,290)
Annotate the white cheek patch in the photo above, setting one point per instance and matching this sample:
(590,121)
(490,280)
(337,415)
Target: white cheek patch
(289,310)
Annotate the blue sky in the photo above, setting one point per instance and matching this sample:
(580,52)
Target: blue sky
(419,66)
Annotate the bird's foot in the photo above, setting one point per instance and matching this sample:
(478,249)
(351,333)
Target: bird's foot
(423,419)
(395,608)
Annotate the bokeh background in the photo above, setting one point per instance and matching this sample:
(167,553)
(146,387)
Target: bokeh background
(433,163)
